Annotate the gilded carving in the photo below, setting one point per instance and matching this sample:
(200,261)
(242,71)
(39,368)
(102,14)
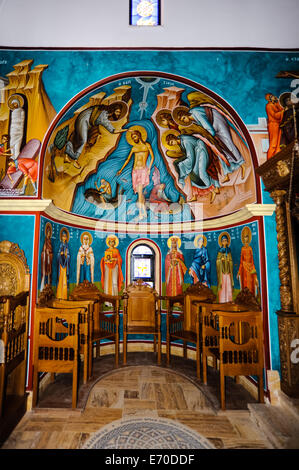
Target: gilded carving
(283,252)
(7,279)
(288,331)
(282,168)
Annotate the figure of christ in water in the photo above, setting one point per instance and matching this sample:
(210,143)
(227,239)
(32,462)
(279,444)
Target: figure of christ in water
(141,172)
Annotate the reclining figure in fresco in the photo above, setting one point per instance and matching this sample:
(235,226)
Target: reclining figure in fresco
(86,132)
(88,121)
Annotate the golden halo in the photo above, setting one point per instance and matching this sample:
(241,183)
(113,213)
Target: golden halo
(48,226)
(177,119)
(201,235)
(177,238)
(285,95)
(246,231)
(89,236)
(165,144)
(221,235)
(136,128)
(67,233)
(115,238)
(15,97)
(159,118)
(120,104)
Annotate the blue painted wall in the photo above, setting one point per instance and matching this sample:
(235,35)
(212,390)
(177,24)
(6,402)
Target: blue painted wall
(19,229)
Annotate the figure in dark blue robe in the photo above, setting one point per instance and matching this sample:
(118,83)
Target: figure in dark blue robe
(201,266)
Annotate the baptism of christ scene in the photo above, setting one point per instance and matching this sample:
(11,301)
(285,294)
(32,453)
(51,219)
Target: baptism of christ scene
(149,149)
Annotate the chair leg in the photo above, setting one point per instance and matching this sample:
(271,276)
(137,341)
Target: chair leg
(261,388)
(125,349)
(116,350)
(75,386)
(198,361)
(35,388)
(222,389)
(168,350)
(185,349)
(155,344)
(85,363)
(2,388)
(159,349)
(204,369)
(90,358)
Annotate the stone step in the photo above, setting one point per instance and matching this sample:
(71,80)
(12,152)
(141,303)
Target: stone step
(279,425)
(290,404)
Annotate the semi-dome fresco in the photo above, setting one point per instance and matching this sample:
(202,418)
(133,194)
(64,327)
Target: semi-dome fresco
(148,148)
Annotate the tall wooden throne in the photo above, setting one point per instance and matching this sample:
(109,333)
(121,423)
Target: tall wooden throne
(14,308)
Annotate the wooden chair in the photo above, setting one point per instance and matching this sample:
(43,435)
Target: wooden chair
(56,345)
(209,329)
(13,343)
(85,329)
(235,338)
(105,324)
(184,324)
(142,315)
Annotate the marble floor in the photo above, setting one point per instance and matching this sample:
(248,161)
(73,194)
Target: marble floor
(140,389)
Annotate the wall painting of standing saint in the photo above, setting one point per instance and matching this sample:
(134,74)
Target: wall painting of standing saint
(224,266)
(46,258)
(247,272)
(111,264)
(85,259)
(63,265)
(175,267)
(201,266)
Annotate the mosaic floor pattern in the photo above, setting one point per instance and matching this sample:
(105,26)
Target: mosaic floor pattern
(146,433)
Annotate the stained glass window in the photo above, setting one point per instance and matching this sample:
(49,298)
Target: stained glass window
(145,12)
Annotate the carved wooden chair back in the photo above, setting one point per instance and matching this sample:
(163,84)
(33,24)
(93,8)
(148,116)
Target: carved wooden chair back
(210,329)
(85,329)
(105,322)
(240,346)
(142,313)
(56,345)
(199,293)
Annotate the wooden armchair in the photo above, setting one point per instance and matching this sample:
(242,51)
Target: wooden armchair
(210,329)
(13,344)
(105,324)
(142,315)
(184,324)
(85,329)
(56,345)
(238,345)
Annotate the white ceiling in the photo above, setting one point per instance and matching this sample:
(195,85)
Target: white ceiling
(188,23)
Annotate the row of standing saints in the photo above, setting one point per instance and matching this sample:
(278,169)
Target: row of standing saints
(175,267)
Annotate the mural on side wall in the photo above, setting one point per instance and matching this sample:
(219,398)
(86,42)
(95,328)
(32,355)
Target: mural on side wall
(118,155)
(63,265)
(25,115)
(224,260)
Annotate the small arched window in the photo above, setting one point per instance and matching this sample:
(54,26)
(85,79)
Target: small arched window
(143,264)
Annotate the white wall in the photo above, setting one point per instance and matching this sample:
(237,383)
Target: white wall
(187,23)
